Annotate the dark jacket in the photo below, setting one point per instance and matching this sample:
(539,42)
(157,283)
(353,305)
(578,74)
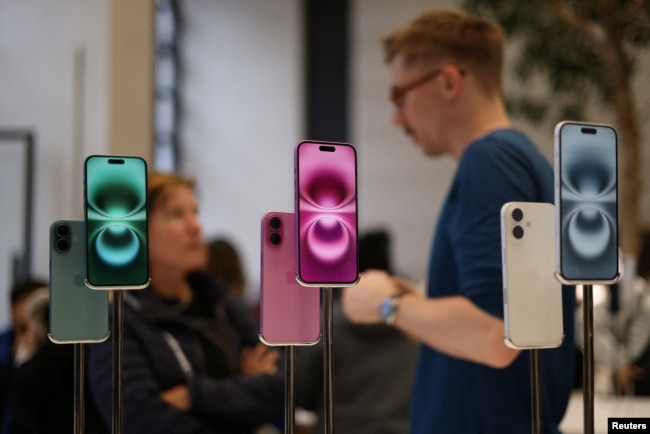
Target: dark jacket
(229,404)
(42,394)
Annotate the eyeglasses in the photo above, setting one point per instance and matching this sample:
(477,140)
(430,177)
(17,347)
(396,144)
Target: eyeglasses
(398,93)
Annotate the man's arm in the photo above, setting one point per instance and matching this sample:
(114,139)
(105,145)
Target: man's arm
(452,325)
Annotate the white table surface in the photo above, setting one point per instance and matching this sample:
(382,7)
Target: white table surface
(604,407)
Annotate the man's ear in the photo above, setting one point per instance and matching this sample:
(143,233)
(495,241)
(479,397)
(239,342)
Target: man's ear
(452,80)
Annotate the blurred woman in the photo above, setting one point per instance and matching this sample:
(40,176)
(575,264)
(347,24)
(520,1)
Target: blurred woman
(192,359)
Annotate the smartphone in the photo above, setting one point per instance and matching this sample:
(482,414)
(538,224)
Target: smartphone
(117,248)
(586,203)
(77,314)
(289,313)
(532,296)
(326,214)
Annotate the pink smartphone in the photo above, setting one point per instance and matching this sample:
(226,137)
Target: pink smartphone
(289,313)
(326,214)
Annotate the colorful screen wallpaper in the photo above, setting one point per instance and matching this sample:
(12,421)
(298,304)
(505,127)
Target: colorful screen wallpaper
(589,227)
(116,221)
(327,213)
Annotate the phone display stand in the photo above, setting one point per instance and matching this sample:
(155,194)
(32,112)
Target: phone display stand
(588,358)
(79,378)
(79,386)
(328,360)
(536,391)
(79,406)
(118,356)
(328,365)
(588,346)
(118,351)
(289,390)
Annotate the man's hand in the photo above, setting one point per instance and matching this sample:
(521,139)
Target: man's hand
(361,302)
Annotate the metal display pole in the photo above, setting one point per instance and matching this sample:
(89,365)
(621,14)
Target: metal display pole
(79,384)
(290,399)
(588,358)
(118,349)
(536,391)
(328,360)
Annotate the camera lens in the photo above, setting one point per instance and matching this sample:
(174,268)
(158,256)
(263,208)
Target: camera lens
(275,222)
(518,232)
(275,238)
(517,214)
(62,245)
(62,230)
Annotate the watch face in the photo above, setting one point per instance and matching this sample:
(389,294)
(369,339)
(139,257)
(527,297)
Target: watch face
(387,309)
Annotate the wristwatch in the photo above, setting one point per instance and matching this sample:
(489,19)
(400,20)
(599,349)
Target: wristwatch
(388,308)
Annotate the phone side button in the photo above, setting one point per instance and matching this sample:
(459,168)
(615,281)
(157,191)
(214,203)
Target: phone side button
(505,295)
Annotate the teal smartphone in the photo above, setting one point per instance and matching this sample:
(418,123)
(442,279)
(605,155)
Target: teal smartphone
(77,314)
(117,246)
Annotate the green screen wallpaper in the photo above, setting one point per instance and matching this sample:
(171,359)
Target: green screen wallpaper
(116,221)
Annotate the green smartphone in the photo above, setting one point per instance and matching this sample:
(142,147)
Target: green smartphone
(117,247)
(77,314)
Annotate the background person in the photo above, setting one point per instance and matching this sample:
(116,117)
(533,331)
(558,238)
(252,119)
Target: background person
(192,359)
(445,70)
(19,335)
(224,264)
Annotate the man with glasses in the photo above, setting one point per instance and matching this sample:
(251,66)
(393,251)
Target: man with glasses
(446,86)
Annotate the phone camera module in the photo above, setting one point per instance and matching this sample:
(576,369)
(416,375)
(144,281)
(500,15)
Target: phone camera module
(275,238)
(518,232)
(517,214)
(62,230)
(62,245)
(275,223)
(62,242)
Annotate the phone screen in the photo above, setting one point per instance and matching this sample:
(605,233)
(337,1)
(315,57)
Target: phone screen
(326,203)
(116,222)
(588,202)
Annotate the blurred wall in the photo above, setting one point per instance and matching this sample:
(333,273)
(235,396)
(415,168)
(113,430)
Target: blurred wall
(53,80)
(242,113)
(242,108)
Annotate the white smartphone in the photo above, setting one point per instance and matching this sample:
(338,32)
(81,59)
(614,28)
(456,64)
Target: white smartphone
(586,203)
(532,296)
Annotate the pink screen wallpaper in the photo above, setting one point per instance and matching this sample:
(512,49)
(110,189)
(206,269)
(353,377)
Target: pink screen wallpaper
(327,213)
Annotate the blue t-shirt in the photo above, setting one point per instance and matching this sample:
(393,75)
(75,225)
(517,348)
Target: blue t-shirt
(453,396)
